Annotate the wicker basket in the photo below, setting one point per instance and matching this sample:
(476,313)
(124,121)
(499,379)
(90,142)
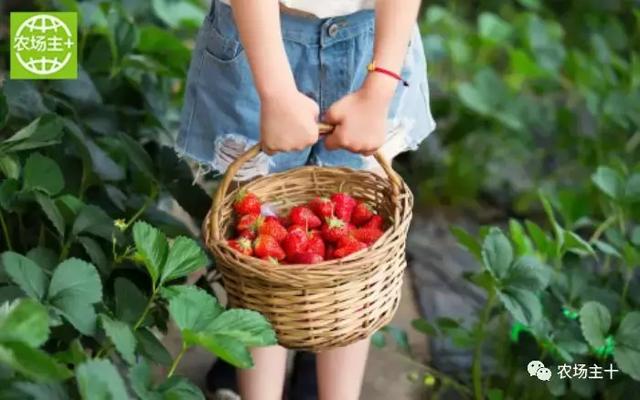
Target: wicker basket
(327,305)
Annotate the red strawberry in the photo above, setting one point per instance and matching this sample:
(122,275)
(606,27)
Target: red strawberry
(246,203)
(328,253)
(247,234)
(271,226)
(315,243)
(241,245)
(247,222)
(267,246)
(375,222)
(322,206)
(348,245)
(343,206)
(295,243)
(302,215)
(308,258)
(361,214)
(334,229)
(367,236)
(296,227)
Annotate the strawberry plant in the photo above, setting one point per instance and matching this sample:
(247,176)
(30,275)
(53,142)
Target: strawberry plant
(63,332)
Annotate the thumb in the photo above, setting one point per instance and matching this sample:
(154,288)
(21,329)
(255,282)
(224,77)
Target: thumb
(332,141)
(334,114)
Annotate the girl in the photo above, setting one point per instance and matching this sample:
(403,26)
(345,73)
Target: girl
(268,71)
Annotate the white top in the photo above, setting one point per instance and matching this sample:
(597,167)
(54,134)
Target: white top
(327,8)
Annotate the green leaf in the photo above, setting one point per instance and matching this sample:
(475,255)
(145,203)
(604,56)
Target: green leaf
(25,321)
(493,28)
(8,193)
(227,348)
(121,336)
(607,249)
(249,327)
(75,286)
(45,258)
(4,109)
(467,241)
(180,388)
(93,220)
(185,257)
(95,253)
(176,14)
(41,391)
(141,383)
(34,363)
(130,301)
(519,237)
(577,245)
(99,380)
(378,339)
(421,325)
(627,349)
(42,173)
(152,348)
(75,354)
(523,305)
(137,155)
(10,166)
(609,181)
(52,212)
(497,253)
(635,236)
(151,247)
(548,209)
(41,132)
(26,274)
(595,322)
(193,309)
(632,188)
(528,273)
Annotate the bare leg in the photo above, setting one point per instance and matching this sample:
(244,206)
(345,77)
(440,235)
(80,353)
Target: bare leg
(265,380)
(340,371)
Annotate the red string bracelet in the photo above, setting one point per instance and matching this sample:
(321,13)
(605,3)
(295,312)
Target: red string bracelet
(372,68)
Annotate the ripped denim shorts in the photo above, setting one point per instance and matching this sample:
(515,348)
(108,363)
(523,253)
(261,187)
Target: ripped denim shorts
(329,59)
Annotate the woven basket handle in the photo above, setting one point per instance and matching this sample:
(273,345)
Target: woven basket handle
(234,167)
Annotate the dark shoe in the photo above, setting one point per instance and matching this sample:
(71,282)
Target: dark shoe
(221,381)
(304,383)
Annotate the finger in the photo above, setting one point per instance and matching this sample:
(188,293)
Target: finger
(333,141)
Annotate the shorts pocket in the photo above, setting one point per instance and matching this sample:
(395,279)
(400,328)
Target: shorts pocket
(222,47)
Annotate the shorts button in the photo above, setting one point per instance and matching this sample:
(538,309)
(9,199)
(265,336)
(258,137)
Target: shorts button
(333,30)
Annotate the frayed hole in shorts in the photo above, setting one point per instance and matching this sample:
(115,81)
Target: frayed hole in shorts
(229,147)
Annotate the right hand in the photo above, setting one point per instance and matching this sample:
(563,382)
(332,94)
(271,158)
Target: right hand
(288,122)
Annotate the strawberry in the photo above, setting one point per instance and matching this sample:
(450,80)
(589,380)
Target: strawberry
(322,207)
(241,245)
(271,226)
(361,214)
(247,222)
(348,245)
(343,206)
(315,243)
(367,235)
(329,252)
(334,229)
(295,243)
(296,227)
(302,215)
(375,222)
(308,258)
(267,246)
(246,203)
(247,234)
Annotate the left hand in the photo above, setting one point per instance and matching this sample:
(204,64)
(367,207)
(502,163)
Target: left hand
(360,118)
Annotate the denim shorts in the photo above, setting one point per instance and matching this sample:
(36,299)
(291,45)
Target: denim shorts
(329,59)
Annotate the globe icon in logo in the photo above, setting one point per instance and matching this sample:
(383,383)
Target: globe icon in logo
(43,44)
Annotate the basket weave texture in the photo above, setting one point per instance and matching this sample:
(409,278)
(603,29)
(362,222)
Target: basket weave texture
(327,305)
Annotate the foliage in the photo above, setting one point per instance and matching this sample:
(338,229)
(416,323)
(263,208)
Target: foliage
(563,297)
(527,94)
(86,289)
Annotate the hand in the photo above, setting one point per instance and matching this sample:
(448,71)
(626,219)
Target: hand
(360,118)
(288,122)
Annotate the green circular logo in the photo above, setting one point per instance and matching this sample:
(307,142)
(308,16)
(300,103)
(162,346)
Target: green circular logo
(43,44)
